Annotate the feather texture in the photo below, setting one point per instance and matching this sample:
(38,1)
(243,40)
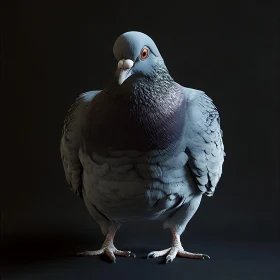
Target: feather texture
(147,148)
(204,140)
(71,140)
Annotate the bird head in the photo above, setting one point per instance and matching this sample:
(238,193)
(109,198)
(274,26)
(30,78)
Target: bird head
(137,54)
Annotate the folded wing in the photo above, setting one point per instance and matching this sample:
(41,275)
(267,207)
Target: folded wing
(204,140)
(71,141)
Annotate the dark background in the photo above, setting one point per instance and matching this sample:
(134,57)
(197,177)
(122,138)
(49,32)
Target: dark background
(52,51)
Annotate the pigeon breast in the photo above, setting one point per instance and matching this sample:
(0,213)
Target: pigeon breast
(145,115)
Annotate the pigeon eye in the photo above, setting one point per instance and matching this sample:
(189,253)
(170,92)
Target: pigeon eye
(144,53)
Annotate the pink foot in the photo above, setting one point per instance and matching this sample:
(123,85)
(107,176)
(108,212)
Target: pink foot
(174,251)
(110,251)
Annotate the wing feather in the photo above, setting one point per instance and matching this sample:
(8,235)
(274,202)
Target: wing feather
(205,146)
(71,141)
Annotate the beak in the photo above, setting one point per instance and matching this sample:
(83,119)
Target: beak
(125,66)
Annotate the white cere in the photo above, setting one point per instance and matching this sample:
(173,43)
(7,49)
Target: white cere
(120,64)
(128,63)
(125,64)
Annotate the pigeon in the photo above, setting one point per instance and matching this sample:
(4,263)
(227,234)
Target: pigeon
(143,148)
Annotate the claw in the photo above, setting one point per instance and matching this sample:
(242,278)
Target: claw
(132,255)
(168,259)
(205,257)
(151,255)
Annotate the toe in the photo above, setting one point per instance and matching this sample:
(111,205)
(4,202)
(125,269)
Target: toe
(186,254)
(168,259)
(156,254)
(91,253)
(110,251)
(172,255)
(111,255)
(122,253)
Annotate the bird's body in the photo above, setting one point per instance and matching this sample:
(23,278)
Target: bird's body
(142,149)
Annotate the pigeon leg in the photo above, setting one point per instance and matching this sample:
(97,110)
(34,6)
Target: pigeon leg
(108,248)
(176,249)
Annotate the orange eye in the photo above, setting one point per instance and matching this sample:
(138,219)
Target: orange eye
(144,53)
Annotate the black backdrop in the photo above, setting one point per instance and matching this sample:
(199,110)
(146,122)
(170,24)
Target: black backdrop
(54,50)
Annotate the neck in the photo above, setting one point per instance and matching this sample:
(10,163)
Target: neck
(157,105)
(156,96)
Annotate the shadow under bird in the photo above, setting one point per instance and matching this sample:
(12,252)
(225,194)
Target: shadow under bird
(143,148)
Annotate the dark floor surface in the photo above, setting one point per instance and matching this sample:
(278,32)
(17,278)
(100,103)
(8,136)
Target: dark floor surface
(55,259)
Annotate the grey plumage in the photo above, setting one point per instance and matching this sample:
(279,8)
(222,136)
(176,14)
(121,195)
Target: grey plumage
(144,149)
(71,141)
(204,141)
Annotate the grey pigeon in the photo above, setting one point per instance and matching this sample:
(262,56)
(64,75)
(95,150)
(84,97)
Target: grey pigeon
(143,148)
